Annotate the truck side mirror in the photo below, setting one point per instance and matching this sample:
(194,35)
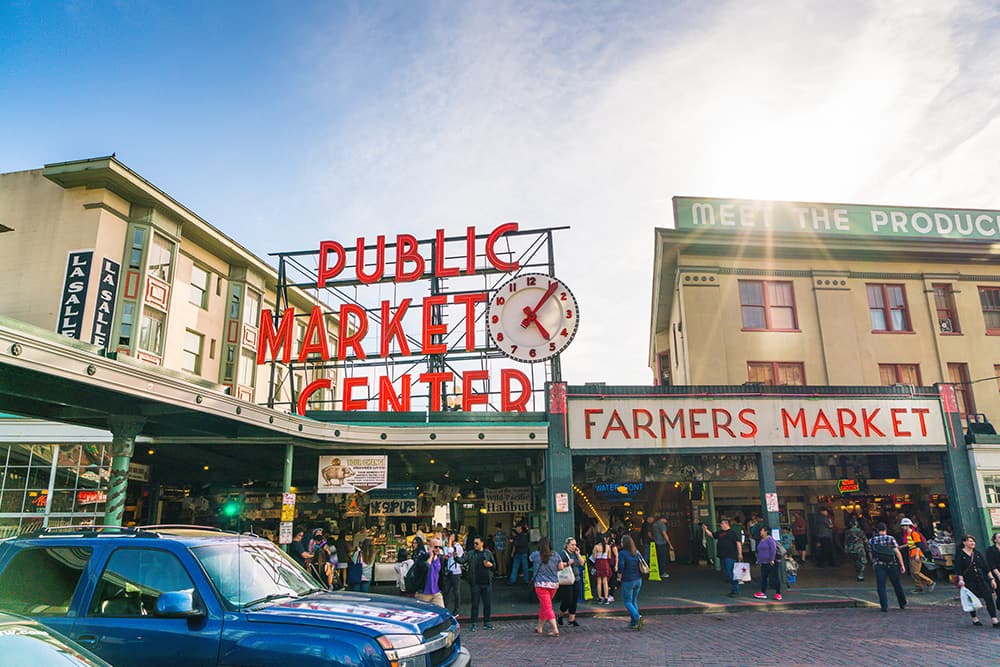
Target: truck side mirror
(178,604)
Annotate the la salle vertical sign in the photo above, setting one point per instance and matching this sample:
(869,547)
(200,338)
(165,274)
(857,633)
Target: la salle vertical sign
(74,294)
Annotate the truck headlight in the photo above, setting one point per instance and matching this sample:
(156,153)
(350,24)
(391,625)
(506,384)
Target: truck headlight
(403,650)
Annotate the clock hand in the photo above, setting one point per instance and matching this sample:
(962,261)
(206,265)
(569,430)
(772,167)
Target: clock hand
(532,312)
(533,318)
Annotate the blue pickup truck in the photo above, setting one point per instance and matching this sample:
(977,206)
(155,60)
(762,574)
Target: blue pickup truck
(166,596)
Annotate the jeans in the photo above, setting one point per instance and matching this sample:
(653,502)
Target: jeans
(362,587)
(727,570)
(883,570)
(769,572)
(482,592)
(519,564)
(630,596)
(451,591)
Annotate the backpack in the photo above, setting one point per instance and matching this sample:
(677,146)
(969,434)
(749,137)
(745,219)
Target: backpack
(884,553)
(416,577)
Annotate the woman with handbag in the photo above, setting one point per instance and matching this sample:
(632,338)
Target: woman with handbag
(630,576)
(547,565)
(975,576)
(570,581)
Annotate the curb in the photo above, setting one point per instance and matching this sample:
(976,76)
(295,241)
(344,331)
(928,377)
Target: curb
(706,608)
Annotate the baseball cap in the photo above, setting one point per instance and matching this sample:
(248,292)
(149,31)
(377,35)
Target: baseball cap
(905,522)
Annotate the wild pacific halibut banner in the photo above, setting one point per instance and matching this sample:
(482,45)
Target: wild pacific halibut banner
(836,219)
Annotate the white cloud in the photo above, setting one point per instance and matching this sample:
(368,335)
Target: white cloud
(552,115)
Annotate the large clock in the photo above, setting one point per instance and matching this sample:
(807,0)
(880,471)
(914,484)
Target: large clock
(532,317)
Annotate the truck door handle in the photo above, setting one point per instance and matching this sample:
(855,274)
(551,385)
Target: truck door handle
(87,640)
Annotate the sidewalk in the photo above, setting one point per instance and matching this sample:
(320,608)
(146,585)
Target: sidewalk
(700,590)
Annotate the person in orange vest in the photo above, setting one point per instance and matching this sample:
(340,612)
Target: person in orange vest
(913,540)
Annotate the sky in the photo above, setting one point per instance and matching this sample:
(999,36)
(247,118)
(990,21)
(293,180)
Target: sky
(283,124)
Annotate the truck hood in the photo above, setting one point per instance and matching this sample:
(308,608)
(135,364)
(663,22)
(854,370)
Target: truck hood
(372,615)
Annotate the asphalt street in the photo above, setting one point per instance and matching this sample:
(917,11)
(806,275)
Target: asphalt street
(919,635)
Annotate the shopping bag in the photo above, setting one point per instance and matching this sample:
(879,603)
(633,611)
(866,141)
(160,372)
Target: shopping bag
(741,572)
(970,601)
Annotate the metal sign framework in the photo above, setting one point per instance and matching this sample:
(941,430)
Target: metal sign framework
(531,250)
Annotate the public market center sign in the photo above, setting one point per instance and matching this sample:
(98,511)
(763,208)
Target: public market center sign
(836,219)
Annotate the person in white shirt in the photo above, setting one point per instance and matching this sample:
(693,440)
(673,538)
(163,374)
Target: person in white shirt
(402,566)
(453,556)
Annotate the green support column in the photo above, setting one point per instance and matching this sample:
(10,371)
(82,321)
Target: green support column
(713,524)
(960,484)
(286,476)
(558,466)
(765,475)
(123,433)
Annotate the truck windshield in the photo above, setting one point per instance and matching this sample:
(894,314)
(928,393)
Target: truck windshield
(253,572)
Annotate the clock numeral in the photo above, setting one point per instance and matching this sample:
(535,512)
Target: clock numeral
(533,353)
(495,319)
(532,281)
(500,337)
(562,296)
(500,301)
(512,288)
(569,313)
(564,333)
(513,349)
(552,347)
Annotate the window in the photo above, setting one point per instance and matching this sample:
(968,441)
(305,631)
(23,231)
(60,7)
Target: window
(768,305)
(135,252)
(893,374)
(250,309)
(199,287)
(248,363)
(664,363)
(989,297)
(133,581)
(151,331)
(160,256)
(776,372)
(234,302)
(958,374)
(125,328)
(229,366)
(944,303)
(191,355)
(59,567)
(991,484)
(887,308)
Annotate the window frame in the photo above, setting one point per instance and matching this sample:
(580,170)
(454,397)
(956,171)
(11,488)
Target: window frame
(141,588)
(196,355)
(775,367)
(990,331)
(887,309)
(199,291)
(963,387)
(766,306)
(896,368)
(152,315)
(947,310)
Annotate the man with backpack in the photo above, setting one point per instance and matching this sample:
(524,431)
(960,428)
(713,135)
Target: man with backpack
(888,562)
(424,578)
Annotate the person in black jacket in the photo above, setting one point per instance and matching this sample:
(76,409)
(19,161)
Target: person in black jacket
(993,562)
(974,574)
(481,564)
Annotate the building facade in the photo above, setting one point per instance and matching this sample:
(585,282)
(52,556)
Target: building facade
(93,251)
(838,297)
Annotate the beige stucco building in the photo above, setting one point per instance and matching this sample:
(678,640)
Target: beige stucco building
(94,251)
(834,295)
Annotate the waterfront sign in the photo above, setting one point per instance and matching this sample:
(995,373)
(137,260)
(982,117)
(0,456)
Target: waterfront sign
(903,222)
(669,423)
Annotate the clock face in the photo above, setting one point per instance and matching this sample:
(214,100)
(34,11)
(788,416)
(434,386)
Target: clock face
(532,317)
